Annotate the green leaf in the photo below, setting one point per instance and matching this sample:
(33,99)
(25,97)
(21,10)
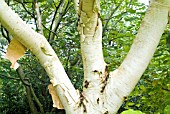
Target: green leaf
(126,48)
(50,1)
(130,103)
(167,109)
(138,105)
(143,87)
(131,111)
(168,85)
(132,11)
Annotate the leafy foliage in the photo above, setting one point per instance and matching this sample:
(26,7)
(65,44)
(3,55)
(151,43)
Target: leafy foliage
(12,93)
(130,111)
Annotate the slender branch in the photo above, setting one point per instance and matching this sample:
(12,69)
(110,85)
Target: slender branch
(39,19)
(2,50)
(68,6)
(30,100)
(31,14)
(130,3)
(37,101)
(22,76)
(26,83)
(57,21)
(5,34)
(49,30)
(8,76)
(76,5)
(107,21)
(56,10)
(165,89)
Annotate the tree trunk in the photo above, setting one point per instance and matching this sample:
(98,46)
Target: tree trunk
(30,101)
(21,74)
(30,93)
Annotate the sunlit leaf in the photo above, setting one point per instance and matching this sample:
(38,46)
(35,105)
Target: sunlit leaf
(130,111)
(50,1)
(167,109)
(130,103)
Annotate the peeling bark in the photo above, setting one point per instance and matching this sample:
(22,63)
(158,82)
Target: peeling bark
(44,53)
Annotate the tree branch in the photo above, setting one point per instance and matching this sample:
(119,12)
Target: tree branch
(22,76)
(37,101)
(26,83)
(44,53)
(76,5)
(39,20)
(5,34)
(57,21)
(110,17)
(139,56)
(8,76)
(31,14)
(49,30)
(56,10)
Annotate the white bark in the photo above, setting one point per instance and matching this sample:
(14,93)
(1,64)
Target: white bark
(76,5)
(123,80)
(57,21)
(39,19)
(90,29)
(44,53)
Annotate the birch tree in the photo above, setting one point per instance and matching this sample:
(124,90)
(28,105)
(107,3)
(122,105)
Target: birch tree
(103,91)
